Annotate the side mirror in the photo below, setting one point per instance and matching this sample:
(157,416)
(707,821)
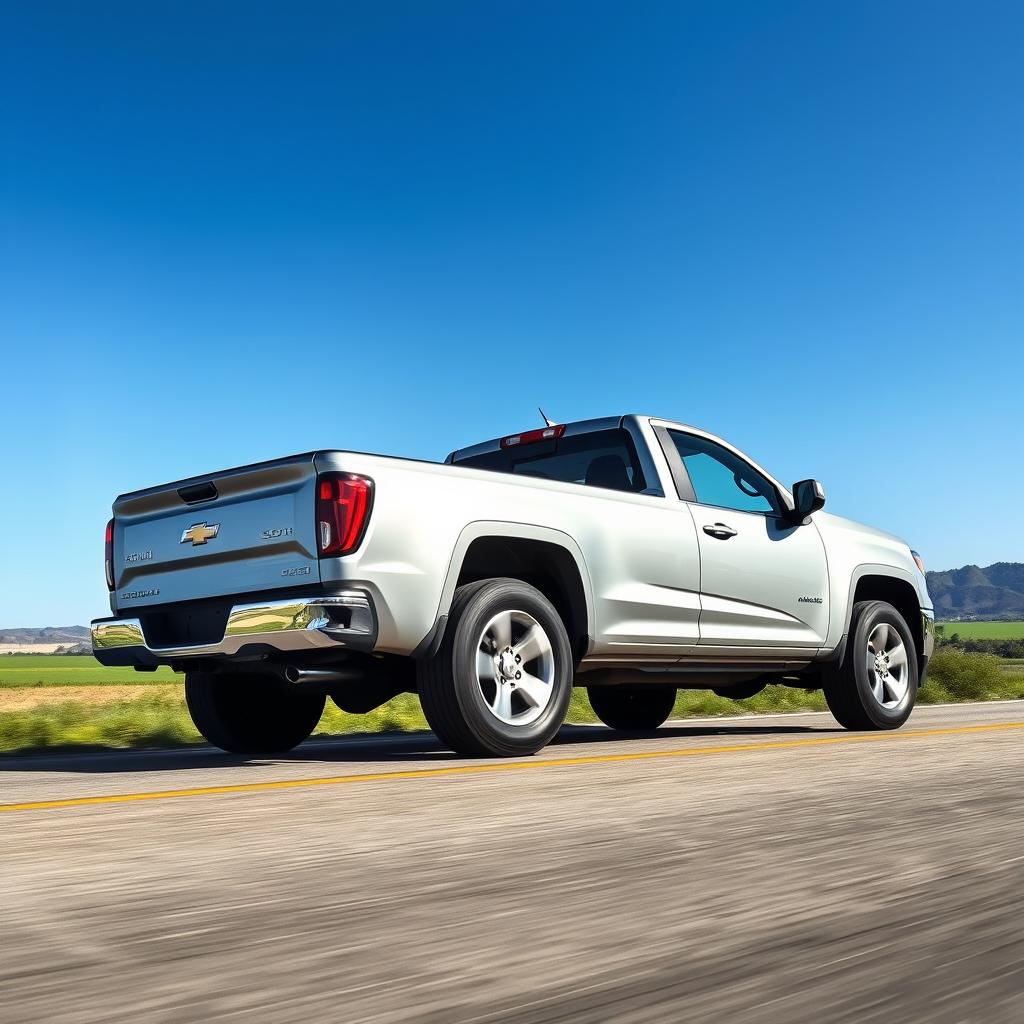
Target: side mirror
(808,497)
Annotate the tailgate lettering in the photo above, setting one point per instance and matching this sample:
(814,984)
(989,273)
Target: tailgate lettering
(283,531)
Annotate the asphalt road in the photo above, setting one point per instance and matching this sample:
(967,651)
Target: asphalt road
(770,869)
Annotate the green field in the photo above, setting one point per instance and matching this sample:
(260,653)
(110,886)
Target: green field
(984,630)
(20,670)
(160,719)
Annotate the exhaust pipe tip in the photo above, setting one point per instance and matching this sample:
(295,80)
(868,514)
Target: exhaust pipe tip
(322,676)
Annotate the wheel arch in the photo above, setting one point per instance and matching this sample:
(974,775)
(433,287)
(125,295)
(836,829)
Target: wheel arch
(547,559)
(892,585)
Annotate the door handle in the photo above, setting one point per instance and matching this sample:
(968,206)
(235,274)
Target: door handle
(719,531)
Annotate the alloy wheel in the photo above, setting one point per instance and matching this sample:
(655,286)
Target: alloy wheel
(515,668)
(888,670)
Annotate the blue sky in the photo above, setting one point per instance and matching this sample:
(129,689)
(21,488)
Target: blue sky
(234,231)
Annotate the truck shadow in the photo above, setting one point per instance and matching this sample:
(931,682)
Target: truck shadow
(409,749)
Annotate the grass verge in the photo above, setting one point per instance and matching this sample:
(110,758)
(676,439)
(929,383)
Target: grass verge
(21,671)
(161,720)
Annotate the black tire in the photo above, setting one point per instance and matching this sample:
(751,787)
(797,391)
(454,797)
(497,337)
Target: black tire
(634,708)
(848,690)
(251,714)
(451,692)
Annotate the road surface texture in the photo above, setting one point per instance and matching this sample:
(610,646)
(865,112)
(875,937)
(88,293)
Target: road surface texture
(769,869)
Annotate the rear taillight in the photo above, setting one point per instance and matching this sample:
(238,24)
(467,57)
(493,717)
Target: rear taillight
(342,511)
(108,555)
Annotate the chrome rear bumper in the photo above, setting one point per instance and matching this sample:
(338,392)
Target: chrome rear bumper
(289,626)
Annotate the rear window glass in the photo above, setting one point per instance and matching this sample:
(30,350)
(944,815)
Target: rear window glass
(604,458)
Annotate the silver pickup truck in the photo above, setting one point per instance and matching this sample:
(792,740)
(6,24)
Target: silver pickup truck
(630,555)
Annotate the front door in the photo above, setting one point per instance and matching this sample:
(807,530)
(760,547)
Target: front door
(763,580)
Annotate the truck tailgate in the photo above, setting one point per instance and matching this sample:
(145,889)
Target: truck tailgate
(235,532)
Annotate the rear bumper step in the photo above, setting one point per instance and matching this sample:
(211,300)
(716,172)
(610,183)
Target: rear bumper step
(290,626)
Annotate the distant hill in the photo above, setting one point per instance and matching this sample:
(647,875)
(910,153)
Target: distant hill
(995,592)
(44,635)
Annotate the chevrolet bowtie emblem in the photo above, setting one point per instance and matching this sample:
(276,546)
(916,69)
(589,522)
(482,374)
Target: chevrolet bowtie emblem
(200,533)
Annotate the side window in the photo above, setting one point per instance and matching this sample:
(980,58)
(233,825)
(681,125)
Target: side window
(723,479)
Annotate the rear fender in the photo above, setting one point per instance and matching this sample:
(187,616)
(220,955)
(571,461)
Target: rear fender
(519,531)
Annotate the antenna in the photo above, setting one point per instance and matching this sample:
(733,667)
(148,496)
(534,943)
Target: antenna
(547,422)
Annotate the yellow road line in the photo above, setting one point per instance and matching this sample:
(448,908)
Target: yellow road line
(484,767)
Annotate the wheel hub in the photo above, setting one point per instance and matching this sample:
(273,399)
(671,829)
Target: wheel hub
(507,664)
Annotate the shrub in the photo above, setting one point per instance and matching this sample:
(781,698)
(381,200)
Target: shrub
(957,675)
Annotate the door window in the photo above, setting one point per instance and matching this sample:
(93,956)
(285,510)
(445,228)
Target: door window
(723,479)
